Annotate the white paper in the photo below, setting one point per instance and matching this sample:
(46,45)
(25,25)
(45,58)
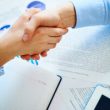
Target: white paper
(26,87)
(83,53)
(73,94)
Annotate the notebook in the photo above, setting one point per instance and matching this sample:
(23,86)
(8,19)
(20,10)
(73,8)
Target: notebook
(27,87)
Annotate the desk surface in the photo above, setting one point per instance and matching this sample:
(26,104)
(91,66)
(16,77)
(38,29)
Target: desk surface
(84,51)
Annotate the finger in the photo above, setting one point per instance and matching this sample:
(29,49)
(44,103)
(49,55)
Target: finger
(51,46)
(25,17)
(53,40)
(30,13)
(35,57)
(26,57)
(44,54)
(32,25)
(52,31)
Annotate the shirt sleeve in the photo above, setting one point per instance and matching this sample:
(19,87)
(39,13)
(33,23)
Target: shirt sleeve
(92,12)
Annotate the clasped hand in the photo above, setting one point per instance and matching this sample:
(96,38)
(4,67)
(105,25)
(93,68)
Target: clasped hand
(44,24)
(35,33)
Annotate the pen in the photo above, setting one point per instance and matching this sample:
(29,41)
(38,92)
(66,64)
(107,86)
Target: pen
(7,26)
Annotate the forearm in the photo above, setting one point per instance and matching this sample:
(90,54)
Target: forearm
(4,57)
(6,53)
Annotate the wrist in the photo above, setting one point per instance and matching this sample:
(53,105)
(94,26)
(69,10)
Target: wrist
(6,50)
(67,15)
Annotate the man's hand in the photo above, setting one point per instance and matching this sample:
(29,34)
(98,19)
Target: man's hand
(63,17)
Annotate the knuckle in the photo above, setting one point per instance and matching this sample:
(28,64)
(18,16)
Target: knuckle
(34,16)
(58,33)
(53,46)
(59,39)
(44,40)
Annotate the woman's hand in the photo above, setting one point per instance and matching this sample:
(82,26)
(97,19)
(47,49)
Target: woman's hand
(9,42)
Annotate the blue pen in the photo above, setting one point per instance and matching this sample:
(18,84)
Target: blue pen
(7,26)
(37,4)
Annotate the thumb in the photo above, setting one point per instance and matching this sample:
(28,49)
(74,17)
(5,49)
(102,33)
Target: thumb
(21,21)
(29,13)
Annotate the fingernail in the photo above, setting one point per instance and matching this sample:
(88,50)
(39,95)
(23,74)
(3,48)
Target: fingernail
(25,37)
(64,32)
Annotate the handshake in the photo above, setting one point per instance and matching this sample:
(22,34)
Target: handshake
(36,32)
